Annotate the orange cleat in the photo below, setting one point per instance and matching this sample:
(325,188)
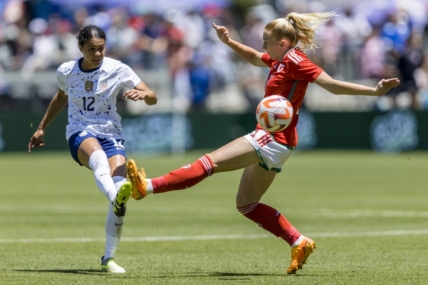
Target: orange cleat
(137,179)
(299,254)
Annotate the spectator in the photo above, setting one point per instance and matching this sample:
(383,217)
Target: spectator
(395,32)
(178,56)
(66,41)
(200,67)
(122,37)
(372,57)
(79,17)
(354,29)
(332,41)
(407,64)
(45,45)
(250,78)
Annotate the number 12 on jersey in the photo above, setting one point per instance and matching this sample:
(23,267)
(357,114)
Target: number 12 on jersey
(88,102)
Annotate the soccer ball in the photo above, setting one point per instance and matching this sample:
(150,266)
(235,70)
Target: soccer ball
(274,113)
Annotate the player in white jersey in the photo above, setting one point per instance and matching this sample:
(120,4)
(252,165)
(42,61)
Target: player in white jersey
(90,85)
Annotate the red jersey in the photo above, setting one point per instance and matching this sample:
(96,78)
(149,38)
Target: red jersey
(290,77)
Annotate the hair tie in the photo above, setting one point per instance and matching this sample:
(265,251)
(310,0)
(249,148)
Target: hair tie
(290,21)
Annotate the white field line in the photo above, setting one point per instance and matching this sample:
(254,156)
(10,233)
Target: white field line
(214,237)
(372,213)
(325,213)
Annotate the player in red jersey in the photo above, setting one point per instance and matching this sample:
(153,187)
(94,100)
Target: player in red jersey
(285,41)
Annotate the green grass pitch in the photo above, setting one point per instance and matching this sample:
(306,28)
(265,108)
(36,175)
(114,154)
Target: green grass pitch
(368,214)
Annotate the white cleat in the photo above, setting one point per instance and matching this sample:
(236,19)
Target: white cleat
(108,265)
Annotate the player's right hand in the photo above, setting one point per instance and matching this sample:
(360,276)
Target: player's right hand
(385,85)
(37,140)
(222,33)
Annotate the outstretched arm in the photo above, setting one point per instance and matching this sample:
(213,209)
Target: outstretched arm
(345,88)
(56,105)
(247,53)
(141,92)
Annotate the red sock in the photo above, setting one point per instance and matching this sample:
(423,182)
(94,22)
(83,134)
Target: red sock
(271,220)
(184,177)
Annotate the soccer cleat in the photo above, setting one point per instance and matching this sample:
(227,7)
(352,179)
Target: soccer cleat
(108,265)
(137,179)
(122,197)
(299,254)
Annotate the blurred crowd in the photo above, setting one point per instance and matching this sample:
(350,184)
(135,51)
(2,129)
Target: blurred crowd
(367,40)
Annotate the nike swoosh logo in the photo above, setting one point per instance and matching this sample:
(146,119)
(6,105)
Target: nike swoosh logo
(118,225)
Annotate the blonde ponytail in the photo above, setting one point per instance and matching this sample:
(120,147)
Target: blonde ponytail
(299,28)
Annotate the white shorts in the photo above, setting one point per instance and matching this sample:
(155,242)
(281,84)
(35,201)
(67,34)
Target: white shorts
(273,154)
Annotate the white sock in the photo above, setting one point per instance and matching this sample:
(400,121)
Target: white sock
(114,224)
(99,163)
(298,241)
(114,227)
(149,188)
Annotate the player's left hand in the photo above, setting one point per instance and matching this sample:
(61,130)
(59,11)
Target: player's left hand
(385,85)
(134,95)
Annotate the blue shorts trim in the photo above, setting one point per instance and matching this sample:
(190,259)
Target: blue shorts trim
(110,146)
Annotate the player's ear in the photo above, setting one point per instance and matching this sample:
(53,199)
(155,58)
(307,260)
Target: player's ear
(80,48)
(284,42)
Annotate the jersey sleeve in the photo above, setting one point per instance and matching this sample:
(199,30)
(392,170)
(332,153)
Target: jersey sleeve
(60,79)
(266,59)
(128,77)
(305,69)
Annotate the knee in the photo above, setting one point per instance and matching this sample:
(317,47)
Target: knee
(98,159)
(239,202)
(243,200)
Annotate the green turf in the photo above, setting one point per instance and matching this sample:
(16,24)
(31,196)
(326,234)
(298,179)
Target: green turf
(367,212)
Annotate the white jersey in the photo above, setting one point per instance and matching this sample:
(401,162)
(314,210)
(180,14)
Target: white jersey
(92,96)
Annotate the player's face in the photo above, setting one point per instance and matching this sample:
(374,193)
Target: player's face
(275,48)
(93,53)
